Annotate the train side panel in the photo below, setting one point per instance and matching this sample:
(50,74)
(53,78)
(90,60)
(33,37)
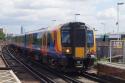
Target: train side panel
(51,48)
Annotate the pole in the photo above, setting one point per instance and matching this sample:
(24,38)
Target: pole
(123,52)
(76,16)
(54,22)
(118,20)
(110,51)
(118,16)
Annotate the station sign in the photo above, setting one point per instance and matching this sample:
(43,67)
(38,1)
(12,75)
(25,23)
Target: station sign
(117,44)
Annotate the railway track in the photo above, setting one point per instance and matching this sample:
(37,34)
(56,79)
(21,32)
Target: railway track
(88,77)
(94,77)
(3,58)
(59,74)
(20,65)
(49,74)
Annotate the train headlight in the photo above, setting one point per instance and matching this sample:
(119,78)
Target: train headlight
(67,50)
(92,56)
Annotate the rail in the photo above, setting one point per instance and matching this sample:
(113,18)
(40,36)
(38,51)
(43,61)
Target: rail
(63,76)
(94,77)
(5,61)
(37,74)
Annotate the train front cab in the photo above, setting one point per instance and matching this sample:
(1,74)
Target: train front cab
(74,44)
(90,57)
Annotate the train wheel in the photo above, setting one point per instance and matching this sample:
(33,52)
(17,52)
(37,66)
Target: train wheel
(52,62)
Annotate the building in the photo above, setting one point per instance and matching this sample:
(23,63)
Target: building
(103,44)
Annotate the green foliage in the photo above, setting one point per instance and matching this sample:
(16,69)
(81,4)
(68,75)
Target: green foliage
(2,36)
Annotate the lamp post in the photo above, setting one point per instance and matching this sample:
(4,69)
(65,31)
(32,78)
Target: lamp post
(76,16)
(53,22)
(117,23)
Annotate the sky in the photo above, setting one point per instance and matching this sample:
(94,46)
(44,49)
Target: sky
(36,14)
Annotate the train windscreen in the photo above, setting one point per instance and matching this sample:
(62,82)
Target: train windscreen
(65,36)
(90,38)
(79,37)
(73,35)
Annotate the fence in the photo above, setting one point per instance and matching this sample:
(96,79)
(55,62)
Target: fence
(113,50)
(117,51)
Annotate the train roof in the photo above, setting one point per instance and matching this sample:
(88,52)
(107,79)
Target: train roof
(39,30)
(78,23)
(74,23)
(44,29)
(55,27)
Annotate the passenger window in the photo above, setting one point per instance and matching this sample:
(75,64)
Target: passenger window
(39,38)
(48,39)
(44,40)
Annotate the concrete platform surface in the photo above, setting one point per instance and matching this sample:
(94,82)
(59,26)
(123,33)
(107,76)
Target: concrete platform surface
(116,65)
(2,64)
(114,70)
(7,76)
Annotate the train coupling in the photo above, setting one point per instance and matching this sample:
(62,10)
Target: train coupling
(79,63)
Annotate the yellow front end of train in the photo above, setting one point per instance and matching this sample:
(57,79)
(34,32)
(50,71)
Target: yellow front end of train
(78,44)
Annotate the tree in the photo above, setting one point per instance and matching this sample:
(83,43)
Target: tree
(2,36)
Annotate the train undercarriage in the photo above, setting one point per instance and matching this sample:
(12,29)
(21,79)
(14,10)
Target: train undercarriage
(66,64)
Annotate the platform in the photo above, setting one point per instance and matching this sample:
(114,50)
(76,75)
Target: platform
(2,64)
(116,65)
(114,70)
(7,76)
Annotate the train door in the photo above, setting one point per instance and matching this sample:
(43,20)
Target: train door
(44,48)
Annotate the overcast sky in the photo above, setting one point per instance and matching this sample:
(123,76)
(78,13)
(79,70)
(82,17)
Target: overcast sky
(36,14)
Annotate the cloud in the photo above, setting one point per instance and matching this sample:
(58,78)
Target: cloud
(107,13)
(40,4)
(40,13)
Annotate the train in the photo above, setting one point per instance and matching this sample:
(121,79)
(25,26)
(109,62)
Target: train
(69,46)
